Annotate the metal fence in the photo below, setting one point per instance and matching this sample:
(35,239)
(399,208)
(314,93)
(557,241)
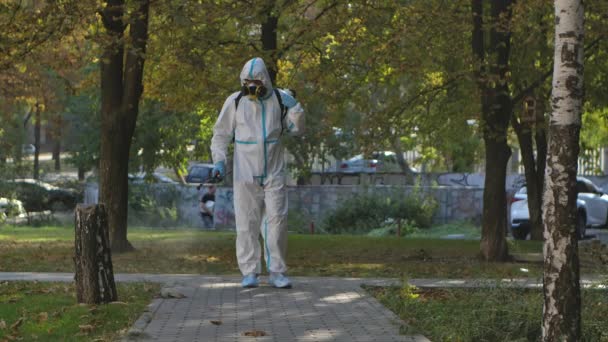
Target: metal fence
(591,162)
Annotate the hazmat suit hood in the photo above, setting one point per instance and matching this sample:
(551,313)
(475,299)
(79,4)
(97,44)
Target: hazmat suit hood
(255,69)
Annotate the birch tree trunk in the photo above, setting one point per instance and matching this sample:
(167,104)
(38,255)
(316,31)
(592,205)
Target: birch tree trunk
(562,300)
(94,274)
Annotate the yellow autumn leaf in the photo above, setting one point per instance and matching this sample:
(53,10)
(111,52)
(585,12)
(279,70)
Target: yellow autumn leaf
(43,316)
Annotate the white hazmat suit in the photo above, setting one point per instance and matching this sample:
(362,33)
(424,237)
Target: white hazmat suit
(260,194)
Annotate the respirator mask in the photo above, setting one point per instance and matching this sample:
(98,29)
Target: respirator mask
(253,90)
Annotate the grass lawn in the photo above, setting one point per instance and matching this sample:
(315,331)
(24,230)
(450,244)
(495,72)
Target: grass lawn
(50,249)
(485,314)
(32,311)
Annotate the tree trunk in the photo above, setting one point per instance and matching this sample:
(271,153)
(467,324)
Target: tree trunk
(496,114)
(540,138)
(561,287)
(81,172)
(57,154)
(494,219)
(37,143)
(405,167)
(94,275)
(54,135)
(121,90)
(269,43)
(533,173)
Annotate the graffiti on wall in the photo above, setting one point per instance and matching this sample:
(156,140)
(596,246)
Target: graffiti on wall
(513,182)
(224,208)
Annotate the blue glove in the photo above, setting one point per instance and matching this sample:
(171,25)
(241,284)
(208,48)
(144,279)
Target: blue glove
(219,171)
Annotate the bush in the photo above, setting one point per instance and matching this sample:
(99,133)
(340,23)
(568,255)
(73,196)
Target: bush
(145,209)
(366,212)
(299,222)
(390,229)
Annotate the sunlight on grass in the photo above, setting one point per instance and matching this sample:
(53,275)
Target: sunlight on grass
(465,229)
(50,249)
(49,312)
(498,314)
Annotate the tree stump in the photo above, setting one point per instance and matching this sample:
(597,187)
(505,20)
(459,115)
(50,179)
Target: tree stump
(94,274)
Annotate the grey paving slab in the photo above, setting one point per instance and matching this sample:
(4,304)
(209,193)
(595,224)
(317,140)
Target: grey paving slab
(216,308)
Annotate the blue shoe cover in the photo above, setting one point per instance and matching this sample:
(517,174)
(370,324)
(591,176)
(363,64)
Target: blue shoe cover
(250,280)
(279,280)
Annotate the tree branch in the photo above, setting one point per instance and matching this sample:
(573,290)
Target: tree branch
(548,73)
(288,46)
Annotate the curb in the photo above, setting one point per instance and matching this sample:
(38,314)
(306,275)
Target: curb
(136,331)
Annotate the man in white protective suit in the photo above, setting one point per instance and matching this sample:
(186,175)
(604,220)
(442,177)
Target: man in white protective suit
(256,118)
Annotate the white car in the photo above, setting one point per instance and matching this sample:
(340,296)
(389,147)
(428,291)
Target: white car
(591,203)
(379,161)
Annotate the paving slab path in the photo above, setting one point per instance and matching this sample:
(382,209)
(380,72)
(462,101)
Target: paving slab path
(215,308)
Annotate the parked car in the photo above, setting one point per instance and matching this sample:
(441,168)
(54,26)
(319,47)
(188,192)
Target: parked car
(28,149)
(153,178)
(199,173)
(591,203)
(39,196)
(379,161)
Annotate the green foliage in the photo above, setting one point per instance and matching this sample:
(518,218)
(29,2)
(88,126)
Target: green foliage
(147,209)
(82,138)
(365,212)
(498,314)
(299,222)
(162,137)
(13,135)
(390,229)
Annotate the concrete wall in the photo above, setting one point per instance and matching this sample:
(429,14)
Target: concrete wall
(309,203)
(313,203)
(460,197)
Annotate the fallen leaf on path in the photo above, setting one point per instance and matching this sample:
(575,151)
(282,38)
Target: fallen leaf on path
(17,324)
(2,324)
(86,328)
(254,333)
(216,322)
